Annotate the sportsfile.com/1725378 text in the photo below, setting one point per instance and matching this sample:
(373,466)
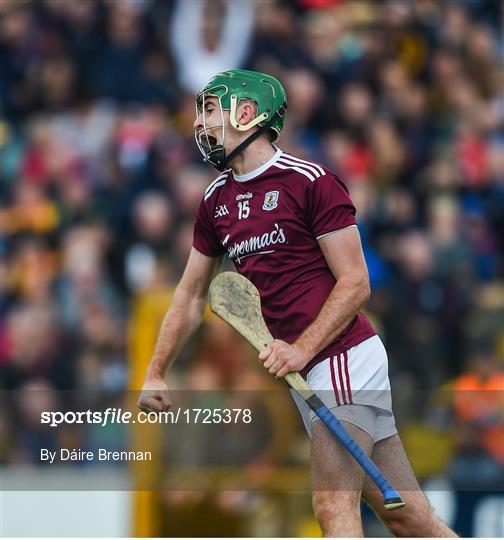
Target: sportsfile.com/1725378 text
(114,415)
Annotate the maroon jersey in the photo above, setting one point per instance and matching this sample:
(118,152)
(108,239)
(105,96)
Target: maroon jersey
(269,222)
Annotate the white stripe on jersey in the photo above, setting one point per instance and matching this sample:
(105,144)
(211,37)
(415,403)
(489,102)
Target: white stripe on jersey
(298,169)
(335,230)
(220,177)
(214,186)
(299,160)
(307,167)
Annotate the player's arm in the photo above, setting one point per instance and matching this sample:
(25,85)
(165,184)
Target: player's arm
(179,323)
(343,253)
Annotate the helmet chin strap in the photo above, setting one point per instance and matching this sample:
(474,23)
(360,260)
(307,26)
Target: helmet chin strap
(217,156)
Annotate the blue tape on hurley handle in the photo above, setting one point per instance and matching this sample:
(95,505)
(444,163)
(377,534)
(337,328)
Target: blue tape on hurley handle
(392,499)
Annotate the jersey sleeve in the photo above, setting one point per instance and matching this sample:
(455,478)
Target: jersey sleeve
(205,239)
(328,206)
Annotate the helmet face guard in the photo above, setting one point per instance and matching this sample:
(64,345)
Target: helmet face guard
(230,87)
(211,149)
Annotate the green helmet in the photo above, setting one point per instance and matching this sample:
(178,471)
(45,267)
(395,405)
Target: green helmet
(236,84)
(230,87)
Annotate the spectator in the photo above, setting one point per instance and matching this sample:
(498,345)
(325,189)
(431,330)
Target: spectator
(479,422)
(214,35)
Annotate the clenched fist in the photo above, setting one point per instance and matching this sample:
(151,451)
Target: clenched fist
(154,396)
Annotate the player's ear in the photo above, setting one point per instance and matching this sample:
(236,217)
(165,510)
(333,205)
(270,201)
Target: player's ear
(247,111)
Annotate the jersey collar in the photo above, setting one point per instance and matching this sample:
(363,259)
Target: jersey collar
(259,170)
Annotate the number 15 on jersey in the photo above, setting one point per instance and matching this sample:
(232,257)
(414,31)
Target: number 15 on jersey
(243,209)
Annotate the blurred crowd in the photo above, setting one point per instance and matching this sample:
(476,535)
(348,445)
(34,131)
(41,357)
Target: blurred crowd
(100,176)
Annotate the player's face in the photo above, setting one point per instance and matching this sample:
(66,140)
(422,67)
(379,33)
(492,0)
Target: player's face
(209,122)
(213,132)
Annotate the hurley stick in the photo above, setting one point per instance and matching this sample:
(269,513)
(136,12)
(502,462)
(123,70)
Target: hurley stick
(235,299)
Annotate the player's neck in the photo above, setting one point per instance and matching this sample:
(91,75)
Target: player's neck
(252,157)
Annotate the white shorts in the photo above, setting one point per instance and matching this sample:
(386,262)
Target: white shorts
(356,387)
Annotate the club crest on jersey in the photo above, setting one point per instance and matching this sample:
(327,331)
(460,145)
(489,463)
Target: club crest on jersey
(271,200)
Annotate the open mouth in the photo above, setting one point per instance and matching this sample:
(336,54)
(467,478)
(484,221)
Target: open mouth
(206,140)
